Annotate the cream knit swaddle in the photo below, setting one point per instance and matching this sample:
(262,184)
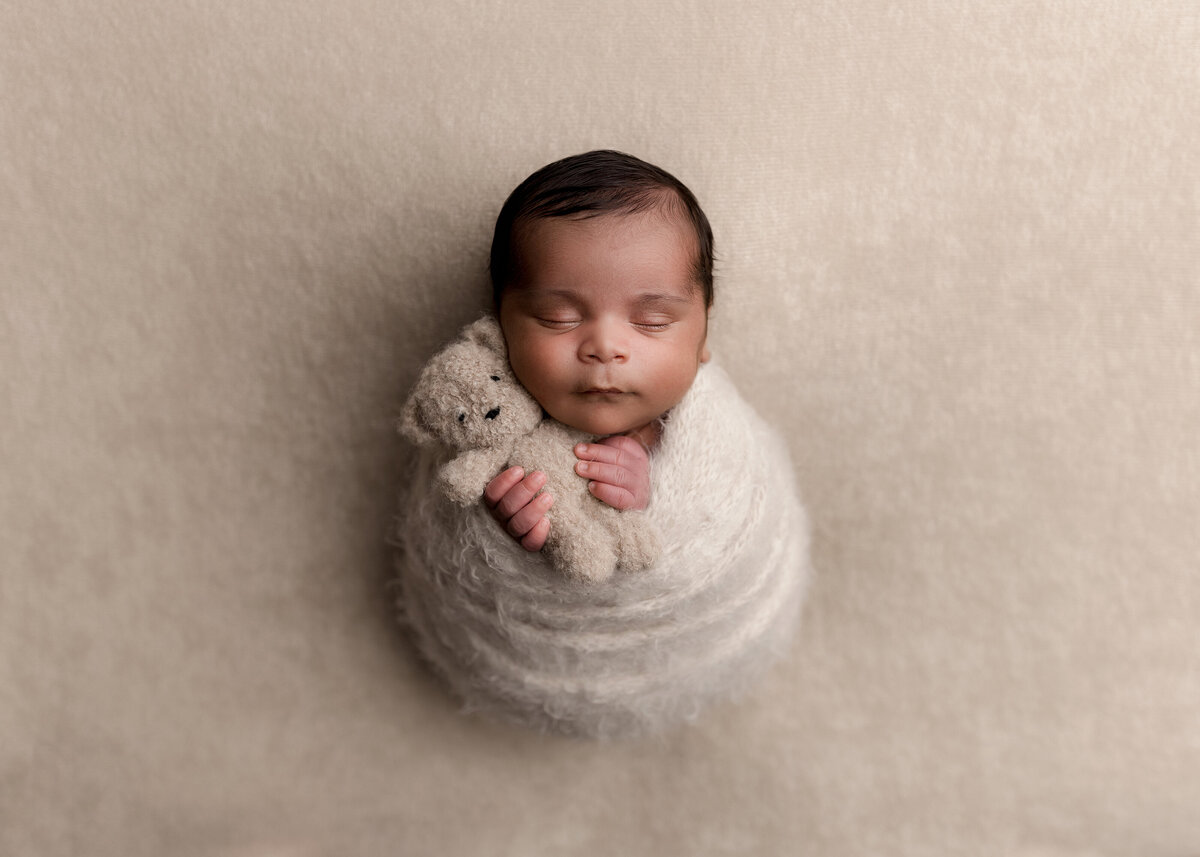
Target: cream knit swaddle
(643,650)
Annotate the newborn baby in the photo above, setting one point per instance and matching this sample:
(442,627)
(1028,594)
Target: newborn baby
(602,280)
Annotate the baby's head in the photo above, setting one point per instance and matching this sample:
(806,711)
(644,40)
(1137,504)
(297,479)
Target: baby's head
(602,274)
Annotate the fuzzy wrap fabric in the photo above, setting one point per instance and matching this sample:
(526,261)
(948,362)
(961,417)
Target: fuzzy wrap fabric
(643,650)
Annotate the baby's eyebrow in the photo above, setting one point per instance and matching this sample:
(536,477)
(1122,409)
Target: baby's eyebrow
(660,298)
(547,294)
(574,298)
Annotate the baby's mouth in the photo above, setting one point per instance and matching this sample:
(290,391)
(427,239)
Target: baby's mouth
(602,391)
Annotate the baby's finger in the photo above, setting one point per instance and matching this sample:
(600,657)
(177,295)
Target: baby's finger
(612,474)
(517,497)
(626,443)
(524,521)
(596,452)
(618,498)
(614,450)
(536,538)
(501,485)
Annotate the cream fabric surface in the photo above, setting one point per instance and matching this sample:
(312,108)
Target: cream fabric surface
(958,266)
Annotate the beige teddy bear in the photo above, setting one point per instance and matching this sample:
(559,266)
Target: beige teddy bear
(467,399)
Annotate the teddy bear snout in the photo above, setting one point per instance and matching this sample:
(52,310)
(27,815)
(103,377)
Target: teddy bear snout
(492,414)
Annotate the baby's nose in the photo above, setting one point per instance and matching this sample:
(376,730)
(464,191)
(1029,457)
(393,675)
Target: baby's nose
(605,343)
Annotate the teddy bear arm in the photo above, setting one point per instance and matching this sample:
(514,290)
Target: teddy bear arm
(463,478)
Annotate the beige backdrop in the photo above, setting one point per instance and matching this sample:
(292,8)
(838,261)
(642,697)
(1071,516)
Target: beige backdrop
(959,266)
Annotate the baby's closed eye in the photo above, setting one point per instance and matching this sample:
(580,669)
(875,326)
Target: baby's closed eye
(558,322)
(652,324)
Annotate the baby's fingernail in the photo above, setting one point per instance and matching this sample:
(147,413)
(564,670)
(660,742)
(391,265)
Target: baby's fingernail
(581,467)
(581,448)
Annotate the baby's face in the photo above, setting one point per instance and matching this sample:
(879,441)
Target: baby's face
(606,325)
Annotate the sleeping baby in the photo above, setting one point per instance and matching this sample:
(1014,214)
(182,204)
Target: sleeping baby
(602,273)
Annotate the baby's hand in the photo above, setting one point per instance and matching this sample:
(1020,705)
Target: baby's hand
(618,469)
(511,498)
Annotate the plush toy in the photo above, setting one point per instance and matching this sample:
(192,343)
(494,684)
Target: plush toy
(468,400)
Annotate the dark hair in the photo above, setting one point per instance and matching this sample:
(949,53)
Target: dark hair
(589,185)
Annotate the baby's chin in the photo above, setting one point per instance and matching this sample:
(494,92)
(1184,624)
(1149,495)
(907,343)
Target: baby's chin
(600,426)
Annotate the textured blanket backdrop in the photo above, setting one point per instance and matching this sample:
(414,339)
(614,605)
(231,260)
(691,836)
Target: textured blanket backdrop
(959,266)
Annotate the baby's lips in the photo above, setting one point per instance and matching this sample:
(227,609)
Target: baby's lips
(603,391)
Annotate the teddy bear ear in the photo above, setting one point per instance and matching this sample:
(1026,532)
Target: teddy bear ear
(486,332)
(410,424)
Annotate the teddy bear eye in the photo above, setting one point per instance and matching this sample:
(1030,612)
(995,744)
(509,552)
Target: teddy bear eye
(495,377)
(462,417)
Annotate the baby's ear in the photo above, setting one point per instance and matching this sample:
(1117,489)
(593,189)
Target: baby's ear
(410,424)
(487,332)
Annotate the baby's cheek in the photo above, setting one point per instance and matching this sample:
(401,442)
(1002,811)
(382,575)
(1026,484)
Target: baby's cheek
(545,385)
(529,369)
